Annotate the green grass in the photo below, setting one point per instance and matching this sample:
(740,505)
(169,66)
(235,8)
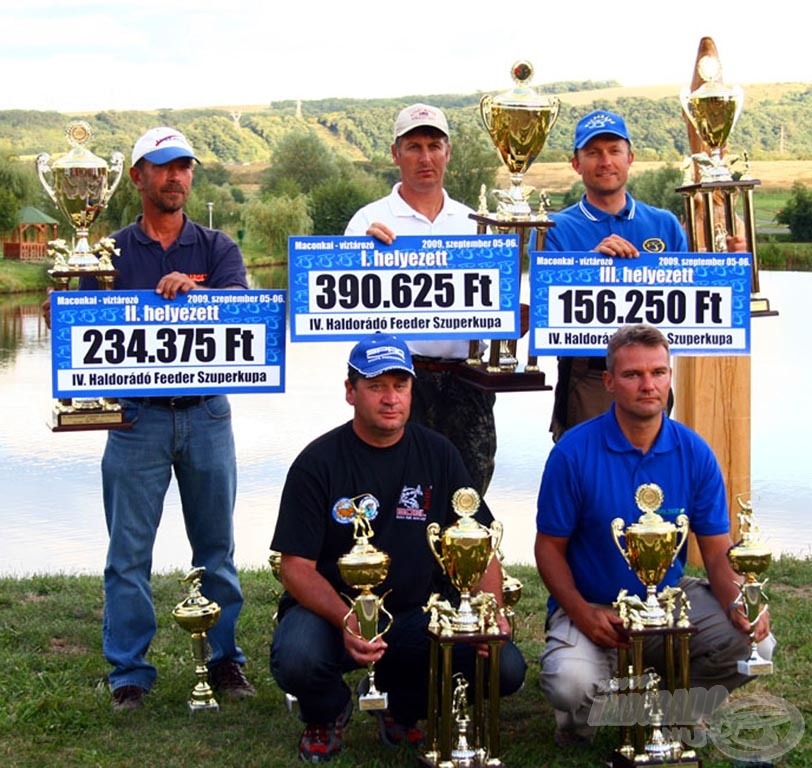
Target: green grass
(55,705)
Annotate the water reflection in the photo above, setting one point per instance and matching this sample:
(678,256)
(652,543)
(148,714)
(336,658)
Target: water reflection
(52,513)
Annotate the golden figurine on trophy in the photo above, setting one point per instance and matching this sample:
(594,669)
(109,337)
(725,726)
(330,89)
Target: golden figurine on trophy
(365,567)
(463,551)
(750,559)
(713,109)
(652,545)
(196,614)
(81,184)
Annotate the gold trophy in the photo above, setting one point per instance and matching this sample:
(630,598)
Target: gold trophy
(463,551)
(80,185)
(713,109)
(196,614)
(750,559)
(518,122)
(652,545)
(275,562)
(363,568)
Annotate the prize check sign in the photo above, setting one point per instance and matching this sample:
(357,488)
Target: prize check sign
(700,301)
(136,343)
(435,287)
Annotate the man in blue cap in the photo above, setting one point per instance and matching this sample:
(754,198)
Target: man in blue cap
(607,219)
(403,475)
(188,436)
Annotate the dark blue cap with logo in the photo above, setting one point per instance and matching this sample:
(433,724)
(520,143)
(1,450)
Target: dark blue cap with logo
(599,123)
(380,353)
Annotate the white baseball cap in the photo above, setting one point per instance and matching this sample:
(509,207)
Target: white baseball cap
(161,146)
(420,115)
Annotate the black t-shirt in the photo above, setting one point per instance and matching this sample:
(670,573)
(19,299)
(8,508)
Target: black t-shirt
(413,481)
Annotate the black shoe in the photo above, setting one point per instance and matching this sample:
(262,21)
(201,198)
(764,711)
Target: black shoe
(227,677)
(128,697)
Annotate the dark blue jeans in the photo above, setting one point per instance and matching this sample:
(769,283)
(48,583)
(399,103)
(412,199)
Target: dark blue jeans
(308,660)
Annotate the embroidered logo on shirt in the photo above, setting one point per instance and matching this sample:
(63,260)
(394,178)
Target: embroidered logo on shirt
(411,505)
(653,245)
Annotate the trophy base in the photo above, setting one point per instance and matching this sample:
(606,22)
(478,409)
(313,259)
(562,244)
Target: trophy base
(371,702)
(760,307)
(480,377)
(292,703)
(203,706)
(432,760)
(686,760)
(70,419)
(754,666)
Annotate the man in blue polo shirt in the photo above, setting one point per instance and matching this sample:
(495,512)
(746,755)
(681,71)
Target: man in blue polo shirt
(591,477)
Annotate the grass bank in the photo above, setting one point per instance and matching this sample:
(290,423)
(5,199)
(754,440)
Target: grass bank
(55,706)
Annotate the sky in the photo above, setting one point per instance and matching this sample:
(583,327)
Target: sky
(89,55)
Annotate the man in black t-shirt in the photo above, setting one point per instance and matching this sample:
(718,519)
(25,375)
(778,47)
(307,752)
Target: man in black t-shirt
(411,473)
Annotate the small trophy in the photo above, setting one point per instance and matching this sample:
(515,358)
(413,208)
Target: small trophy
(363,568)
(275,562)
(463,755)
(713,109)
(80,185)
(518,122)
(652,545)
(750,559)
(463,551)
(197,615)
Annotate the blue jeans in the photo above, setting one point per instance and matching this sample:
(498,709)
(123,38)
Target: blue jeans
(198,445)
(308,660)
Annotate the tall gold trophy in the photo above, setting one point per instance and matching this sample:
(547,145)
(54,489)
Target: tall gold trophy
(365,567)
(713,109)
(81,185)
(652,545)
(750,559)
(518,122)
(196,614)
(463,551)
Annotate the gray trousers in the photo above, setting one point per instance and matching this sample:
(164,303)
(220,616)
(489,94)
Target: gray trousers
(574,669)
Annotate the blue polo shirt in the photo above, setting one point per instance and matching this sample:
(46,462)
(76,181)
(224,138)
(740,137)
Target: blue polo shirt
(590,478)
(582,226)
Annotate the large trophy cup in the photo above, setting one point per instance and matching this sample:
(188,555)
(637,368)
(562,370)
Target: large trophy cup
(652,545)
(464,551)
(363,568)
(196,614)
(713,109)
(518,122)
(81,185)
(750,559)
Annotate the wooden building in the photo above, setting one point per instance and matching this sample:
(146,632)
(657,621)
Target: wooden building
(29,240)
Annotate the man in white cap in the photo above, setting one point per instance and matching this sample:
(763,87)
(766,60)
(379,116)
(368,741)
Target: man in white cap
(189,436)
(419,205)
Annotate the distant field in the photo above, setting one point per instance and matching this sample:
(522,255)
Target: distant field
(779,174)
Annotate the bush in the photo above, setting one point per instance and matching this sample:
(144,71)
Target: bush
(797,213)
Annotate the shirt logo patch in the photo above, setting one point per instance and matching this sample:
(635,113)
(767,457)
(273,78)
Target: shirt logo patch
(653,245)
(411,504)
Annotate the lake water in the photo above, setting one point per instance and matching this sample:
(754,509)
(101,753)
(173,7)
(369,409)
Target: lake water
(51,512)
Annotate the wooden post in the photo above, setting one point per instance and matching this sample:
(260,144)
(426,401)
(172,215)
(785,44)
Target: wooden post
(712,394)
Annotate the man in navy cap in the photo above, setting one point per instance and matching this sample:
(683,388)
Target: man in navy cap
(404,475)
(188,436)
(607,219)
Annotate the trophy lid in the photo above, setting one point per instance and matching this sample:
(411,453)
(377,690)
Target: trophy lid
(78,133)
(523,95)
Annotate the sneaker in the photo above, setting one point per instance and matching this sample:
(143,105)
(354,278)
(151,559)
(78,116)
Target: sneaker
(320,743)
(227,677)
(394,733)
(128,697)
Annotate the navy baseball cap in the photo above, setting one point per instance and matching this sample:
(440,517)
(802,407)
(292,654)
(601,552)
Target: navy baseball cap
(599,123)
(380,353)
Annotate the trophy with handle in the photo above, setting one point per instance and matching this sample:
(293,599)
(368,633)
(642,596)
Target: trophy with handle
(463,551)
(365,567)
(652,545)
(750,559)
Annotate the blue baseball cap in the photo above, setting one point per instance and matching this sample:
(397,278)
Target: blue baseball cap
(380,353)
(599,123)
